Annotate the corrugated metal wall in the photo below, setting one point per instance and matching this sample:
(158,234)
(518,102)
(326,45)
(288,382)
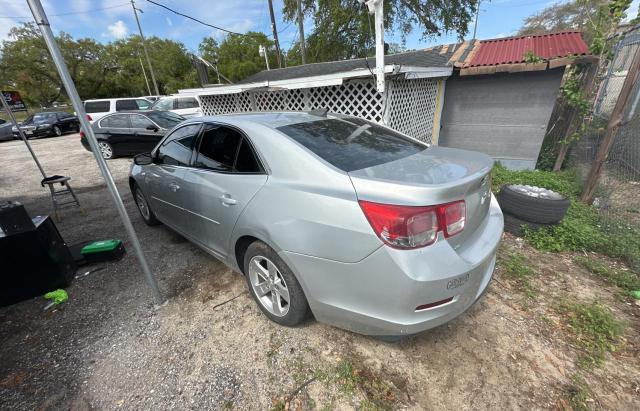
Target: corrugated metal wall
(504,115)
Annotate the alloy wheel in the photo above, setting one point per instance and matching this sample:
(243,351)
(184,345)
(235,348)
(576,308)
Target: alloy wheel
(142,205)
(105,149)
(57,131)
(269,286)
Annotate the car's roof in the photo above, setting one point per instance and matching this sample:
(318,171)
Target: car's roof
(268,119)
(113,99)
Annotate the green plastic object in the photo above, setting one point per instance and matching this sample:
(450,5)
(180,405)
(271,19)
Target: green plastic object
(636,294)
(100,246)
(58,296)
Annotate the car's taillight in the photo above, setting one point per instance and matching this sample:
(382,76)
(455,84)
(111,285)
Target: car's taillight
(81,134)
(408,227)
(89,118)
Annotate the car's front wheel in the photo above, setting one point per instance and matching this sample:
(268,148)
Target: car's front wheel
(273,286)
(106,149)
(143,207)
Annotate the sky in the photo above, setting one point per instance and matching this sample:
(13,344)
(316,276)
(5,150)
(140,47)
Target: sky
(108,20)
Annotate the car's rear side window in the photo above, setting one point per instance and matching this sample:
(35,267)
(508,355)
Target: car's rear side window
(96,106)
(352,143)
(122,105)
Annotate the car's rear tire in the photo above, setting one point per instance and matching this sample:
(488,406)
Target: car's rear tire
(273,286)
(534,204)
(106,149)
(57,131)
(143,207)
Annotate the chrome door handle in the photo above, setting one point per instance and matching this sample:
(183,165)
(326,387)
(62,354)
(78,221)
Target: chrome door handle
(227,200)
(174,187)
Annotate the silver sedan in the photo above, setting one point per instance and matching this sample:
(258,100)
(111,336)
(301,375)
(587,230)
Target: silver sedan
(364,227)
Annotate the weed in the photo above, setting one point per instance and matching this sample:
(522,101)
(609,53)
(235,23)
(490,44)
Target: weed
(623,279)
(274,345)
(595,330)
(279,405)
(517,268)
(379,394)
(578,392)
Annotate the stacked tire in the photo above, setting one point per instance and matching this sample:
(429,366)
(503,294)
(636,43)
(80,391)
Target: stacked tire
(531,207)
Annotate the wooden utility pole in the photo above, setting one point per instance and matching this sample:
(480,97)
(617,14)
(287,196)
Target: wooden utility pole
(275,33)
(303,50)
(616,119)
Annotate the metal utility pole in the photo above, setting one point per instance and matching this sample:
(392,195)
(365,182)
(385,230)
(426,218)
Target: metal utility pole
(275,34)
(615,121)
(22,136)
(375,7)
(303,50)
(42,22)
(144,73)
(475,25)
(263,53)
(144,47)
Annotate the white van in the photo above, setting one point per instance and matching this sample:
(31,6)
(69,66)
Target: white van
(186,106)
(98,108)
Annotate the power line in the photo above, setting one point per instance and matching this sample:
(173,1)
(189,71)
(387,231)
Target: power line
(69,13)
(195,19)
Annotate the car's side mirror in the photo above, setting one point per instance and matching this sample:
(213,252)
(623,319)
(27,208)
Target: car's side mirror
(143,159)
(152,127)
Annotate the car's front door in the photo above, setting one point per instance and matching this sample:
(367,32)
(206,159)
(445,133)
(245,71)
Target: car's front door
(164,178)
(146,134)
(225,175)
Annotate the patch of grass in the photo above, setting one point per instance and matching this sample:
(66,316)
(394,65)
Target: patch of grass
(378,393)
(278,405)
(582,229)
(578,393)
(624,279)
(518,269)
(595,330)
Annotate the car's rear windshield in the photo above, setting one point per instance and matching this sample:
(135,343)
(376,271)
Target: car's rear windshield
(352,143)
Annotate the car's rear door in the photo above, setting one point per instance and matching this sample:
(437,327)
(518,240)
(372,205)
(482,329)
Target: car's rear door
(165,177)
(225,176)
(118,129)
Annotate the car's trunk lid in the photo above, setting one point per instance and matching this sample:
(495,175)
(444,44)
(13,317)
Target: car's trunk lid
(436,175)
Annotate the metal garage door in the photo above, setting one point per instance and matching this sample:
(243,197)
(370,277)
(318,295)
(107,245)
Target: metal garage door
(504,115)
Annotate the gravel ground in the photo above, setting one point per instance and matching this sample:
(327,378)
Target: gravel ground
(109,347)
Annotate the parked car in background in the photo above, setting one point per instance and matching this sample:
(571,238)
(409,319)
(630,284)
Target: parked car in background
(5,130)
(152,99)
(96,109)
(130,133)
(186,106)
(48,124)
(367,228)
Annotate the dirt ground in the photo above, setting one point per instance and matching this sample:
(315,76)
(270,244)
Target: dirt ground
(109,347)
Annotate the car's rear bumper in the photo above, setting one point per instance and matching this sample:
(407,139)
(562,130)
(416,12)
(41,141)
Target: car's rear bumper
(379,294)
(85,143)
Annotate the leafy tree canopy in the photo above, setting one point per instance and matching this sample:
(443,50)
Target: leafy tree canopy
(343,29)
(98,70)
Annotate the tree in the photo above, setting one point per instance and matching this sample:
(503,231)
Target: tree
(237,56)
(111,70)
(343,29)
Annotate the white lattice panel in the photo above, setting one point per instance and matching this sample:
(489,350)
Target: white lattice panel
(412,107)
(411,103)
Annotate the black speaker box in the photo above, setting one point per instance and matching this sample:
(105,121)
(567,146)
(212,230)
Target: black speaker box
(34,262)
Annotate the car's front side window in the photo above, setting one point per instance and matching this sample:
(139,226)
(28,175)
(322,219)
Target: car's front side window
(177,148)
(122,105)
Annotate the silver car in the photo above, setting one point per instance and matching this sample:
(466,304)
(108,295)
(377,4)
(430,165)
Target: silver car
(366,228)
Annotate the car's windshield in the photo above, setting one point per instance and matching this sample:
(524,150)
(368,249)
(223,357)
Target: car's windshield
(165,119)
(352,143)
(44,117)
(163,104)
